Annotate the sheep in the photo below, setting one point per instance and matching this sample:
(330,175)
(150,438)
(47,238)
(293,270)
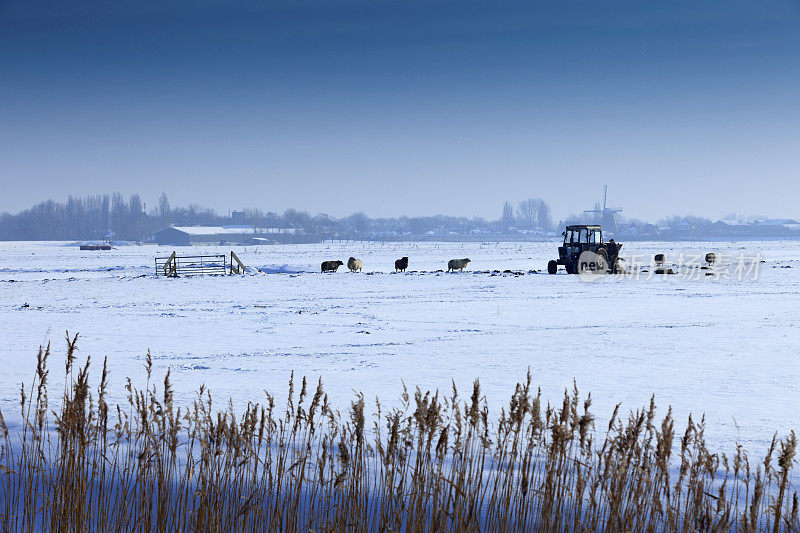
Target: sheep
(457,264)
(401,264)
(354,264)
(331,266)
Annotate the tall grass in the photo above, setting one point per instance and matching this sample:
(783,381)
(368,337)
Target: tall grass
(434,462)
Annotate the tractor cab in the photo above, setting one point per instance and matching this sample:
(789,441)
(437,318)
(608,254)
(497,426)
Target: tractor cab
(575,235)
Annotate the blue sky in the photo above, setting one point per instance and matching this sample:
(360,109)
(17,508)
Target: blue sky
(405,107)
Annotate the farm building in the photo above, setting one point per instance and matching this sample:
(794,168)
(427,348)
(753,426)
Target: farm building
(188,235)
(786,227)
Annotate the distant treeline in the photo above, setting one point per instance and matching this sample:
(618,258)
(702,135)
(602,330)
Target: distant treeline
(114,217)
(92,218)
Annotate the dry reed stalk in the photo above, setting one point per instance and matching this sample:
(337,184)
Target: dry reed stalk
(433,463)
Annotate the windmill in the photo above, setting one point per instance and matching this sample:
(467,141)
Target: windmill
(607,216)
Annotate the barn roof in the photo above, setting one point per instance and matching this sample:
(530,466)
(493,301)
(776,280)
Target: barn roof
(216,230)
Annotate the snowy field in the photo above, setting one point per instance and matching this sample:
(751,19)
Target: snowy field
(726,348)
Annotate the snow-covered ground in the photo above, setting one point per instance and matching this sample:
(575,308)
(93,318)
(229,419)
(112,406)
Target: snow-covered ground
(726,348)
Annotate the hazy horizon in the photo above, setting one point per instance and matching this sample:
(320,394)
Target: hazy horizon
(150,206)
(405,108)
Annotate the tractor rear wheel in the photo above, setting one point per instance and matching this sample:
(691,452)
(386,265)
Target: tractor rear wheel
(603,253)
(552,267)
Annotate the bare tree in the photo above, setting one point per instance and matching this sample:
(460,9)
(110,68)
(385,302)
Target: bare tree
(534,213)
(163,211)
(508,214)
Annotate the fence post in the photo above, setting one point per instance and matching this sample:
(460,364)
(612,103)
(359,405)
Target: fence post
(171,266)
(236,265)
